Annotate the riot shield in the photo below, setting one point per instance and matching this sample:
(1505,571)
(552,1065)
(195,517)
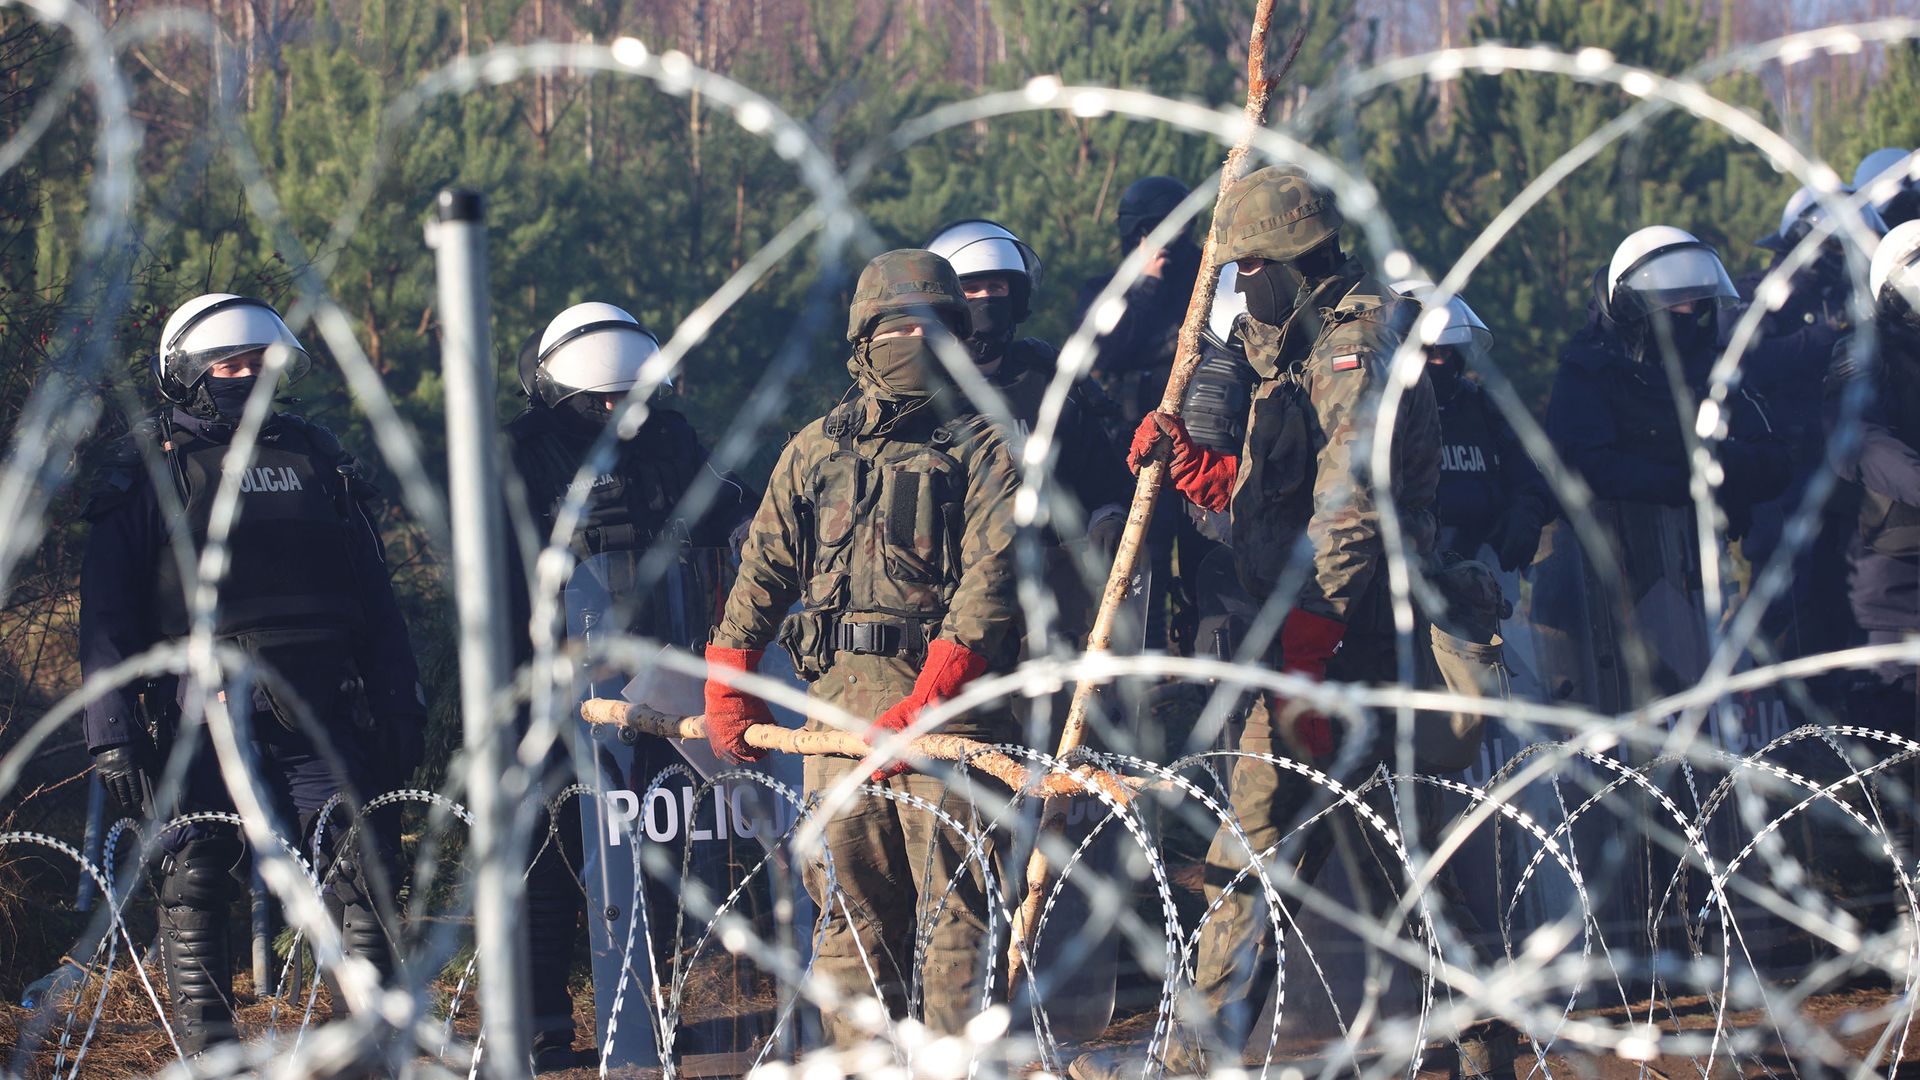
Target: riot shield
(720,836)
(1075,966)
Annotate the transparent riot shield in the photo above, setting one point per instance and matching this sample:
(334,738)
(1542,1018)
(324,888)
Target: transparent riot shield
(1076,962)
(1613,646)
(639,923)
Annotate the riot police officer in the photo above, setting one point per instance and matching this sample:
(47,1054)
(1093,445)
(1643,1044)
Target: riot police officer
(1787,365)
(305,594)
(1654,326)
(1491,493)
(1132,361)
(1891,178)
(1612,415)
(574,373)
(999,273)
(890,521)
(1318,330)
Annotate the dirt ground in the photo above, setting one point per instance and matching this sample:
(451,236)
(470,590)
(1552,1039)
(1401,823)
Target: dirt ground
(129,1043)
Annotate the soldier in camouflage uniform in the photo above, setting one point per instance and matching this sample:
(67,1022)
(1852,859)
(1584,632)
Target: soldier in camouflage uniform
(1319,331)
(890,520)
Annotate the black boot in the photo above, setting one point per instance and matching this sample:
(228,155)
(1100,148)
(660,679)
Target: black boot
(195,893)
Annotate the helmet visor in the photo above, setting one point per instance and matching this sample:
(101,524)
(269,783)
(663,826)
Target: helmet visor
(190,367)
(1670,277)
(230,329)
(1903,283)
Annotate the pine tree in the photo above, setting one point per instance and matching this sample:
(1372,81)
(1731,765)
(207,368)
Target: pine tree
(1445,183)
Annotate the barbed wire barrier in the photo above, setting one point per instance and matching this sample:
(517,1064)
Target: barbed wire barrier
(1654,893)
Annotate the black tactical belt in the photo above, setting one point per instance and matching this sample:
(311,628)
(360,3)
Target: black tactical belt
(879,638)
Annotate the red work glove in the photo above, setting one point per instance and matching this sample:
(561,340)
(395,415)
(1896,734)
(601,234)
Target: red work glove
(1307,643)
(731,712)
(1203,475)
(949,667)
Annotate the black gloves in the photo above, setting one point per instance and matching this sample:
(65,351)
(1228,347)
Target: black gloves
(123,772)
(1516,538)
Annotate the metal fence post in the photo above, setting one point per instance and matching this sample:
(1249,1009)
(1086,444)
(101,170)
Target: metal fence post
(458,239)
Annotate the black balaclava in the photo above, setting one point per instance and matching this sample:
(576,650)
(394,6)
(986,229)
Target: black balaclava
(221,400)
(899,368)
(1272,292)
(1445,366)
(1144,205)
(1696,337)
(1277,289)
(584,412)
(993,326)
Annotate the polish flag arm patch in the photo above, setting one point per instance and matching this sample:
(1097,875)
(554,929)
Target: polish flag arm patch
(1349,362)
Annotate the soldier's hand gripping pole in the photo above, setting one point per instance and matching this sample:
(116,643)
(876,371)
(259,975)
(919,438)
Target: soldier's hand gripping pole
(1154,472)
(634,719)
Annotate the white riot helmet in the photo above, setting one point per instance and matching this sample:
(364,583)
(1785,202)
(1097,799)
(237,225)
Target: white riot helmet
(1229,303)
(1802,215)
(1661,267)
(1464,330)
(220,326)
(590,348)
(1894,276)
(1885,173)
(978,246)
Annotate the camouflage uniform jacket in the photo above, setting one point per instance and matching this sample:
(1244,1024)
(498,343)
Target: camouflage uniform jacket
(875,516)
(1303,471)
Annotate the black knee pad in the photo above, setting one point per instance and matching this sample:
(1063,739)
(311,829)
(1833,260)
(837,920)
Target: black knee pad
(201,874)
(348,856)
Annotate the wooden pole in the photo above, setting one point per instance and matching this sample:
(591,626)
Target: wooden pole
(977,755)
(1153,473)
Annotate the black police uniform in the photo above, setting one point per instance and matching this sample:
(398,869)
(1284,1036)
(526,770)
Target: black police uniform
(1132,362)
(629,506)
(306,592)
(1487,479)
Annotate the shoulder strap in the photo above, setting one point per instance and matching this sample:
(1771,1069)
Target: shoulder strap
(842,423)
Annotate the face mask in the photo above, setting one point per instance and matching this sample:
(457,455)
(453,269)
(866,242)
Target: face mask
(899,367)
(992,325)
(1271,292)
(229,396)
(587,412)
(1444,374)
(1695,336)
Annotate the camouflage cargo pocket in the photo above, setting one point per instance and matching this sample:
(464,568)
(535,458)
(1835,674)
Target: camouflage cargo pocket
(839,489)
(914,527)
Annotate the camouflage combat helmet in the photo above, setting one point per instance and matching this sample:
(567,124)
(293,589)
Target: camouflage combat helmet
(1274,213)
(904,282)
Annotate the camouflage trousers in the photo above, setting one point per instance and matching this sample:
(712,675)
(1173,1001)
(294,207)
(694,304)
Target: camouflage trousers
(1238,961)
(907,881)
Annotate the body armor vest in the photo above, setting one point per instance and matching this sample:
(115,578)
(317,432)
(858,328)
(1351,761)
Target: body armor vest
(1470,496)
(626,507)
(288,563)
(882,526)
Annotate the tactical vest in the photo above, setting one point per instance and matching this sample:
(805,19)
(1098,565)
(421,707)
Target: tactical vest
(1470,495)
(1030,369)
(625,508)
(288,564)
(882,527)
(1890,527)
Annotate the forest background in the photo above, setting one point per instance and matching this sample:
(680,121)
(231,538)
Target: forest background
(605,188)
